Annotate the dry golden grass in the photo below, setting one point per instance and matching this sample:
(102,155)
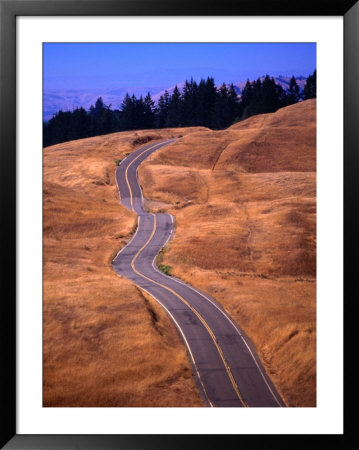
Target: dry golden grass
(245,206)
(259,144)
(104,343)
(245,233)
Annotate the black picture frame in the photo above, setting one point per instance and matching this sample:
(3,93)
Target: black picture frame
(9,10)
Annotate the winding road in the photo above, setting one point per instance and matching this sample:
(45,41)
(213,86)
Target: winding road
(227,369)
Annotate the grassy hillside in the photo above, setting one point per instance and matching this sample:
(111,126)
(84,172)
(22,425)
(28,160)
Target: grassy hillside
(245,206)
(105,344)
(244,201)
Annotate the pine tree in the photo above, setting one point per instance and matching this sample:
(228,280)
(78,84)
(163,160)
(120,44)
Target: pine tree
(139,119)
(99,107)
(271,100)
(222,110)
(257,106)
(149,115)
(201,116)
(128,112)
(57,128)
(252,101)
(102,118)
(174,109)
(310,88)
(80,125)
(247,99)
(162,110)
(293,92)
(233,104)
(281,95)
(207,95)
(189,103)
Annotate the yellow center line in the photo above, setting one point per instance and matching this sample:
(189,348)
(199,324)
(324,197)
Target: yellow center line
(234,384)
(126,175)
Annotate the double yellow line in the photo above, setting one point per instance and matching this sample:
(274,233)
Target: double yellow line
(234,384)
(126,174)
(205,324)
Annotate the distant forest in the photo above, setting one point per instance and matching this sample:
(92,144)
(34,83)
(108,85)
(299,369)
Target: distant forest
(199,104)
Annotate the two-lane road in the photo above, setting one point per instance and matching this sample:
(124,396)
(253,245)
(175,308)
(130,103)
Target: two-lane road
(226,367)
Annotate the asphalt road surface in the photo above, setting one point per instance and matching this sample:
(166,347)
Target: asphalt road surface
(226,367)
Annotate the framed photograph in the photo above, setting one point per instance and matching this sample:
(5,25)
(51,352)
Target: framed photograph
(173,187)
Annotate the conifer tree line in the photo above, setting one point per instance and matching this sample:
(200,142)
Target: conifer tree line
(199,104)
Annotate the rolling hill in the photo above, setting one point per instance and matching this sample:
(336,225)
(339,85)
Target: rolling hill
(245,206)
(244,201)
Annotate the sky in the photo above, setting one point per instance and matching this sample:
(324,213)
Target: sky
(156,66)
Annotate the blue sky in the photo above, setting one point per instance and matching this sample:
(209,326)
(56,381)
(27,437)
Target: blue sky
(155,66)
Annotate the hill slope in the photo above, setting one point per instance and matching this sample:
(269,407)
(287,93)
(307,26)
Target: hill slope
(245,233)
(245,206)
(104,343)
